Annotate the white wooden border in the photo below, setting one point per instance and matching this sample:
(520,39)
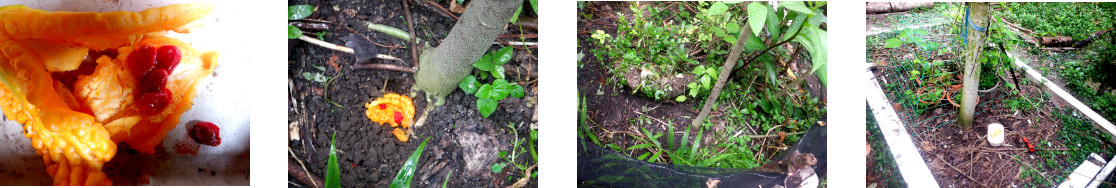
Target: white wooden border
(1035,76)
(1087,174)
(907,158)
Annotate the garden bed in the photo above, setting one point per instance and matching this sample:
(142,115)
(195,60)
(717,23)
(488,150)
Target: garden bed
(463,146)
(624,117)
(963,157)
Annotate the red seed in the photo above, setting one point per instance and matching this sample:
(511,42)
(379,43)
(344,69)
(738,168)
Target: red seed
(155,80)
(383,106)
(206,133)
(141,61)
(152,103)
(168,57)
(398,118)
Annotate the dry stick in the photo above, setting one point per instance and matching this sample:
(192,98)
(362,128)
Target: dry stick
(411,32)
(332,46)
(447,12)
(737,48)
(526,176)
(962,172)
(314,180)
(384,67)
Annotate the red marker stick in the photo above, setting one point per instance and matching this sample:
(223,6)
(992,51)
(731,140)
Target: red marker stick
(1030,147)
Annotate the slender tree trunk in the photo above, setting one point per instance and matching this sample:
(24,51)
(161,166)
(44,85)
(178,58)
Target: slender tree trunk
(443,67)
(978,15)
(726,71)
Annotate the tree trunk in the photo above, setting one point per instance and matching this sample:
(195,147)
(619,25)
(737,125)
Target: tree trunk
(726,71)
(442,68)
(978,15)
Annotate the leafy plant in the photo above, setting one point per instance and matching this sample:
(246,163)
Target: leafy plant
(295,12)
(706,77)
(489,95)
(407,172)
(517,150)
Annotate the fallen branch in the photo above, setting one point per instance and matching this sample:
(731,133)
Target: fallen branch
(411,33)
(332,46)
(445,12)
(384,67)
(310,26)
(302,174)
(325,44)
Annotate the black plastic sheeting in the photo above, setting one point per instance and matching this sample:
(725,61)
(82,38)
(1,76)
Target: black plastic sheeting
(601,167)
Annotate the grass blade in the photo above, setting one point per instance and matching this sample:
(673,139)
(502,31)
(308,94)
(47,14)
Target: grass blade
(694,148)
(333,172)
(403,178)
(446,182)
(670,138)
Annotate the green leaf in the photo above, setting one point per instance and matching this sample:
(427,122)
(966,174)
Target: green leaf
(699,70)
(515,16)
(502,56)
(716,8)
(771,73)
(643,156)
(757,17)
(814,40)
(485,63)
(772,22)
(680,98)
(796,6)
(403,178)
(333,172)
(501,88)
(641,146)
(893,43)
(321,35)
(487,106)
(293,32)
(295,12)
(485,92)
(754,43)
(795,26)
(535,6)
(711,72)
(498,72)
(499,167)
(718,31)
(730,39)
(517,91)
(733,28)
(705,81)
(468,84)
(307,76)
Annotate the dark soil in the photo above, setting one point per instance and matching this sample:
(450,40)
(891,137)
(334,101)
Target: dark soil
(461,141)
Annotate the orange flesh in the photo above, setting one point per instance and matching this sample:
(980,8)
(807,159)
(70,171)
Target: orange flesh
(76,128)
(383,110)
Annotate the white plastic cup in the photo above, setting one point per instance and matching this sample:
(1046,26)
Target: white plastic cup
(996,134)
